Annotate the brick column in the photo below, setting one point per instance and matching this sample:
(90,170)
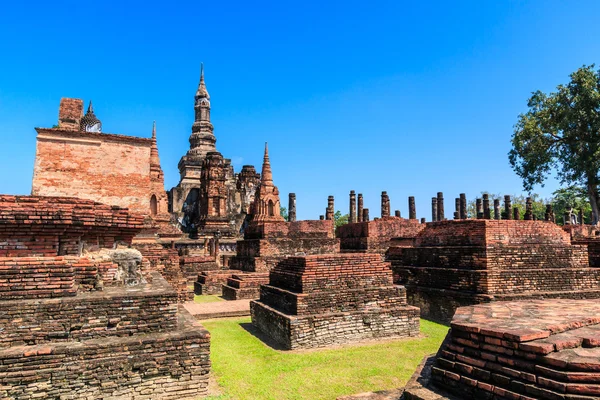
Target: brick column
(516,214)
(329,211)
(479,208)
(507,207)
(486,207)
(292,207)
(440,207)
(385,204)
(497,209)
(365,215)
(434,209)
(352,216)
(359,215)
(463,206)
(528,209)
(412,208)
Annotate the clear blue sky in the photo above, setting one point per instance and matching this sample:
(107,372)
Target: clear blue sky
(408,97)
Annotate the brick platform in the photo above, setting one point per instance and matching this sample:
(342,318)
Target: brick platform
(465,262)
(80,320)
(538,349)
(321,300)
(244,285)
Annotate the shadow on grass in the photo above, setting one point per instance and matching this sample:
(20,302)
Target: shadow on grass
(257,333)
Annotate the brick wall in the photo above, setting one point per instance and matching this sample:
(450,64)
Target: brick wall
(379,234)
(111,169)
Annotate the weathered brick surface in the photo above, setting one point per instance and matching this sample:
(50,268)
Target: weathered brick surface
(378,235)
(171,365)
(164,259)
(69,326)
(116,311)
(108,168)
(521,350)
(490,260)
(320,300)
(50,226)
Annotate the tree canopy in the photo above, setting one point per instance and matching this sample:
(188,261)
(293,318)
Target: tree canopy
(561,132)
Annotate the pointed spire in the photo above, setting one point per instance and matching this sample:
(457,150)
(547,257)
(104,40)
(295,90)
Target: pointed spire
(202,92)
(267,175)
(154,130)
(90,109)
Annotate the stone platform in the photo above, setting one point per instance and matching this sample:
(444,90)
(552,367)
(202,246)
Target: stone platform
(323,300)
(538,349)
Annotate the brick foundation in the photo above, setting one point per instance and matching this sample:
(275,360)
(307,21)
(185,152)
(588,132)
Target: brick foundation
(321,300)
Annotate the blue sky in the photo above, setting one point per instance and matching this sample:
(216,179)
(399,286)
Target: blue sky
(408,97)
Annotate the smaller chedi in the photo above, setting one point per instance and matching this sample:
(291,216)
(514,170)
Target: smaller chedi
(322,300)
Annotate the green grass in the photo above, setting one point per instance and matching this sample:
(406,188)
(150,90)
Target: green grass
(246,368)
(207,298)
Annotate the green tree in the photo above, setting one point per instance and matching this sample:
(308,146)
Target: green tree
(340,219)
(574,197)
(561,131)
(284,213)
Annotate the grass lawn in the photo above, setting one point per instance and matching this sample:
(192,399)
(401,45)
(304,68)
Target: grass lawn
(246,368)
(207,298)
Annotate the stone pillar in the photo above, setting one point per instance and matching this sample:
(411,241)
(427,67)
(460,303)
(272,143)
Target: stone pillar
(440,207)
(329,211)
(479,208)
(434,210)
(463,206)
(365,217)
(352,216)
(581,216)
(359,215)
(516,214)
(507,206)
(548,213)
(456,215)
(528,209)
(423,221)
(397,214)
(385,204)
(497,209)
(292,207)
(486,207)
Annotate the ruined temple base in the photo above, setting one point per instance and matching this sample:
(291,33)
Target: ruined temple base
(535,349)
(441,304)
(244,286)
(311,331)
